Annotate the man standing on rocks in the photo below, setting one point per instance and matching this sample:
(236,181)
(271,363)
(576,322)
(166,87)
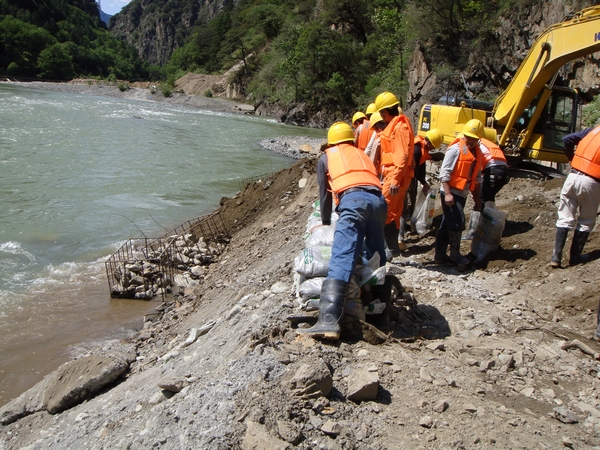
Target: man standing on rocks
(579,197)
(459,174)
(348,178)
(397,140)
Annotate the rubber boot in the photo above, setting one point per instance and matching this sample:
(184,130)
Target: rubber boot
(454,239)
(441,246)
(579,240)
(559,244)
(384,293)
(390,232)
(331,309)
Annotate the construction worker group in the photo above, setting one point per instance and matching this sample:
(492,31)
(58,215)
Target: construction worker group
(367,170)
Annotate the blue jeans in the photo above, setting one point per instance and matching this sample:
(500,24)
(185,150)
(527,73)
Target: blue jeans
(361,218)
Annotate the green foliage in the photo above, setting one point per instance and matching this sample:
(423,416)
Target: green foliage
(590,115)
(208,93)
(55,62)
(124,87)
(166,89)
(61,39)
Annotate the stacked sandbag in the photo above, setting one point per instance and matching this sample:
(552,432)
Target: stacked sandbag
(312,263)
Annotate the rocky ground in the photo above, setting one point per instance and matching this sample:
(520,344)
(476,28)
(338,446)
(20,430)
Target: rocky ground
(498,356)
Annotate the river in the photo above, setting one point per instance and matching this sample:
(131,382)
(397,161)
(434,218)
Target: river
(80,174)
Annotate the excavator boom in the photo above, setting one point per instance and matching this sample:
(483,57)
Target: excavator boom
(559,44)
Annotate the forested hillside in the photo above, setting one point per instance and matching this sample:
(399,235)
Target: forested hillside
(62,39)
(332,56)
(307,61)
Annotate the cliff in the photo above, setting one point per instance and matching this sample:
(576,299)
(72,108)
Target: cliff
(157,27)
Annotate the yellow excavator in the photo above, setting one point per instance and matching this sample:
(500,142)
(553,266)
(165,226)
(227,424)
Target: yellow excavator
(530,118)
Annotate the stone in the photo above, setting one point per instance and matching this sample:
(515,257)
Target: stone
(362,385)
(312,380)
(289,432)
(425,375)
(331,428)
(426,422)
(441,406)
(302,183)
(79,380)
(280,288)
(258,437)
(172,384)
(29,402)
(565,415)
(233,312)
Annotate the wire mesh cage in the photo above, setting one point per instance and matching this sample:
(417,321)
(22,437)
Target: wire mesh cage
(144,268)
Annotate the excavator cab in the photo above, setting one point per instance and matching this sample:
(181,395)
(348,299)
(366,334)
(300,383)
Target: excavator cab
(543,125)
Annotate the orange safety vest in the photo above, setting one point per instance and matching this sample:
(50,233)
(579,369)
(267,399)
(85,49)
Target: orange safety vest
(364,135)
(587,154)
(495,153)
(425,156)
(349,167)
(466,169)
(399,129)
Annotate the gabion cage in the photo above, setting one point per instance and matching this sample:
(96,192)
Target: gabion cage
(144,268)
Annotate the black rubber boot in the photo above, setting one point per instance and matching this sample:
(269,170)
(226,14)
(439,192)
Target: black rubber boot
(454,239)
(331,309)
(390,232)
(384,293)
(579,240)
(559,244)
(441,247)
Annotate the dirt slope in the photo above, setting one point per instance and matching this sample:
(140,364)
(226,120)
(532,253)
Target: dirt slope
(479,363)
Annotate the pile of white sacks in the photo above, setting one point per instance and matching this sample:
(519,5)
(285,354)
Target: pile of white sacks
(311,265)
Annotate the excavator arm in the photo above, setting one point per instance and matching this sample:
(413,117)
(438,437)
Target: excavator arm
(559,44)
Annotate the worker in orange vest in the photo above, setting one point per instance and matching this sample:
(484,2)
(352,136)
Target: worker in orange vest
(460,173)
(423,145)
(396,166)
(373,150)
(579,197)
(348,179)
(493,169)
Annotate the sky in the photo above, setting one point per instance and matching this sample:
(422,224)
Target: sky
(113,6)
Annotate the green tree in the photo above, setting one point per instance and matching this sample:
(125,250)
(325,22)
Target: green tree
(55,62)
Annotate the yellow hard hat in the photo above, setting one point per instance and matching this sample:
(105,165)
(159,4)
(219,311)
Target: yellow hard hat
(375,118)
(371,109)
(474,128)
(435,136)
(339,132)
(385,100)
(358,115)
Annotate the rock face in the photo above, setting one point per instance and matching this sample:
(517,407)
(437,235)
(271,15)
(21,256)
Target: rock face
(156,28)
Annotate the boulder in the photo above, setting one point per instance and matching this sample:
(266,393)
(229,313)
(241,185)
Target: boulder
(79,380)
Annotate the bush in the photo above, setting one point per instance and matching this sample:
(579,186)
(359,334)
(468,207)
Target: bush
(124,87)
(13,68)
(166,89)
(208,93)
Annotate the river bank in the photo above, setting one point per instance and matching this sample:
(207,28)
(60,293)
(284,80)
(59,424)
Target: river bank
(498,356)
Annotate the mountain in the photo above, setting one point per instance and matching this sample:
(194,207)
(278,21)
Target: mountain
(104,17)
(158,27)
